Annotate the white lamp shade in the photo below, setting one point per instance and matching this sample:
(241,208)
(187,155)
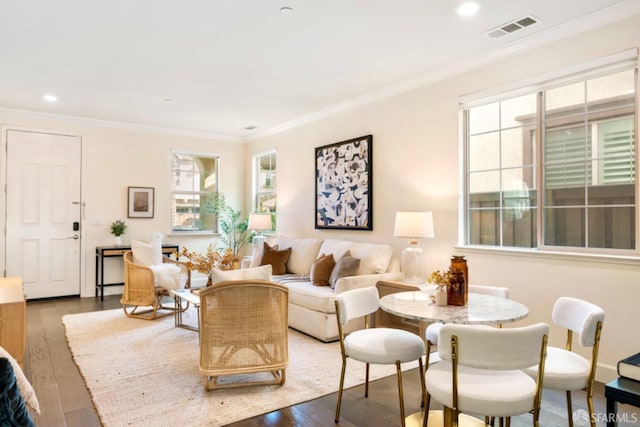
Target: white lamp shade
(259,221)
(413,224)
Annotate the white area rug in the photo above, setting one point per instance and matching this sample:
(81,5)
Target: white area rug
(143,373)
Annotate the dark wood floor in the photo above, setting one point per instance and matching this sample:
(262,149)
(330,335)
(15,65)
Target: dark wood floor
(65,401)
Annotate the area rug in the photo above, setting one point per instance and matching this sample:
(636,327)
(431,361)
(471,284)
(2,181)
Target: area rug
(141,372)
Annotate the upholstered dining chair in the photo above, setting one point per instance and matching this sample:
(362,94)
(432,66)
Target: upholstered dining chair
(143,293)
(244,330)
(385,346)
(433,330)
(565,369)
(480,371)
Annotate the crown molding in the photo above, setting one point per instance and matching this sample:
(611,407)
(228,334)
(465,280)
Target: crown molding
(119,125)
(579,25)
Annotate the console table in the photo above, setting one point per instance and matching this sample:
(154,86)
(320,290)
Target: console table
(103,252)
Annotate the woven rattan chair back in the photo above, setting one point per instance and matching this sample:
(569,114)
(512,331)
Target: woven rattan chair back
(244,330)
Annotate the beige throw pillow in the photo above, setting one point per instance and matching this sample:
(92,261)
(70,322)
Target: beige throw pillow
(346,266)
(277,259)
(321,270)
(257,273)
(147,254)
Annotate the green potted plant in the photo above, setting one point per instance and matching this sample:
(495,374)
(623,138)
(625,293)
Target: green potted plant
(118,228)
(234,231)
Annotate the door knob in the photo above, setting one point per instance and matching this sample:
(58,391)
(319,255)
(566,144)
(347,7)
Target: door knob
(74,237)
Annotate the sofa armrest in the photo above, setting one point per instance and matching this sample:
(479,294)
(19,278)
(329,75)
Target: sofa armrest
(363,281)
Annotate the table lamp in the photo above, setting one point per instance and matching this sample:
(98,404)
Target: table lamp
(259,222)
(413,225)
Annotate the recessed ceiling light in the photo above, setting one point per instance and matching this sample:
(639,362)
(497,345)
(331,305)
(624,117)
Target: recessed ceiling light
(468,8)
(286,10)
(50,98)
(168,100)
(251,127)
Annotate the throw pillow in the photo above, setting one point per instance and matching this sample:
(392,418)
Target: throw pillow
(257,273)
(321,270)
(277,259)
(346,266)
(26,390)
(147,254)
(13,411)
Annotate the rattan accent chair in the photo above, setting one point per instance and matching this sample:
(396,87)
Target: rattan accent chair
(244,333)
(141,298)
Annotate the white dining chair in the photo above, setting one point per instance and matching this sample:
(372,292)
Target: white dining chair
(433,330)
(565,369)
(385,346)
(480,371)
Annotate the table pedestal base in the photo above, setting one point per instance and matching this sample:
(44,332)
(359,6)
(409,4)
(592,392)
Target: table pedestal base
(442,418)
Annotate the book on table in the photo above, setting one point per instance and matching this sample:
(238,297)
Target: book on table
(629,367)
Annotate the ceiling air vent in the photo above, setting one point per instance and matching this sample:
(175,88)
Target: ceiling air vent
(512,26)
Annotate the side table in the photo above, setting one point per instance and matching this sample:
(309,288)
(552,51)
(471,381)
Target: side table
(181,295)
(620,390)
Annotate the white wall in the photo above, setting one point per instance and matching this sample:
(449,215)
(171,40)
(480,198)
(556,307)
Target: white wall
(115,159)
(415,167)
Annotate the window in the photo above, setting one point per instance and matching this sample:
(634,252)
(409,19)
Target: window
(554,167)
(194,181)
(265,182)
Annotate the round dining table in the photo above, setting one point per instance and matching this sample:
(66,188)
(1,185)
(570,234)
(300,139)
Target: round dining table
(480,308)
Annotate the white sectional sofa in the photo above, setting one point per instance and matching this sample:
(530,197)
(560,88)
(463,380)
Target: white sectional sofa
(312,308)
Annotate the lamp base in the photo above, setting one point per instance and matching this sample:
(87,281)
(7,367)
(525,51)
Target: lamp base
(413,266)
(257,245)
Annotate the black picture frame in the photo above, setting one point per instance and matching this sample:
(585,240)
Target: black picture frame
(140,202)
(343,185)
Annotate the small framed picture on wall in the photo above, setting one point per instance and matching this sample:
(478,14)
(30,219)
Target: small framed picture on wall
(140,204)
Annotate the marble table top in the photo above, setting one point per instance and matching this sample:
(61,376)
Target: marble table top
(480,309)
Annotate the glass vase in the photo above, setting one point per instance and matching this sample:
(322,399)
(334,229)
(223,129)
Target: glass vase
(459,263)
(457,289)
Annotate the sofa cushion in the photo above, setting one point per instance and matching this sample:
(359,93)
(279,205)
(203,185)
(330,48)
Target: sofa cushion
(321,270)
(257,273)
(345,267)
(374,258)
(277,258)
(303,253)
(317,298)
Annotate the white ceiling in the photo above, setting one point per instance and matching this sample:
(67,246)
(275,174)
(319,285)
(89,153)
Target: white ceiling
(229,64)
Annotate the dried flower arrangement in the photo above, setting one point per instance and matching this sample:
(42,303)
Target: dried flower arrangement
(221,259)
(446,280)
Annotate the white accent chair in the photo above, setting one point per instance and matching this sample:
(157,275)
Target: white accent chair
(385,346)
(565,369)
(480,371)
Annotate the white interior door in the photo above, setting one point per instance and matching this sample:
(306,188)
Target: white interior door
(43,204)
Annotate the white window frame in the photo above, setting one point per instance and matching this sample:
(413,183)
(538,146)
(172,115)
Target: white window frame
(602,66)
(172,192)
(256,180)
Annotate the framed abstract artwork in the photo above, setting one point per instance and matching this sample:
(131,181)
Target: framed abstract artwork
(140,202)
(343,185)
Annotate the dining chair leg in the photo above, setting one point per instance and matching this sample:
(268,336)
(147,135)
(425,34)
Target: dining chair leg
(344,367)
(569,409)
(425,416)
(400,394)
(592,413)
(366,381)
(422,382)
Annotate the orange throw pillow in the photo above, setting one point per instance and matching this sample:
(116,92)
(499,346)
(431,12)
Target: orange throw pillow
(321,270)
(277,259)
